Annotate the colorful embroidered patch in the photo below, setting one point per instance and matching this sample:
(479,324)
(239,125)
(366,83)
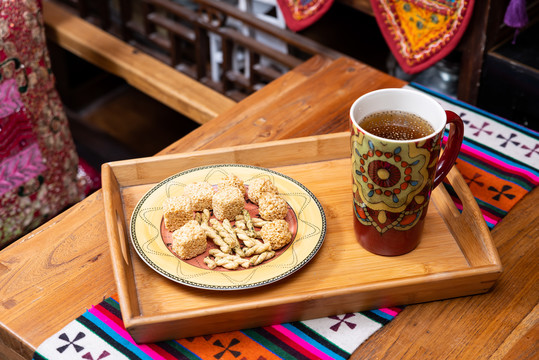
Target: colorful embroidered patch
(20,157)
(421,32)
(10,100)
(298,14)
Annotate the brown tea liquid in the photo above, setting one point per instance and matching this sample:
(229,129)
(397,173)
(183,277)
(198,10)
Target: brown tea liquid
(396,125)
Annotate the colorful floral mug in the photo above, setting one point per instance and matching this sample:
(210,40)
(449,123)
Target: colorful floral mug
(393,175)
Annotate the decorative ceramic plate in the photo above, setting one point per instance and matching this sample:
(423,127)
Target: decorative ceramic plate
(152,240)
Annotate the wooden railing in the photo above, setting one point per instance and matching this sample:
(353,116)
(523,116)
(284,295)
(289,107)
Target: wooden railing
(210,41)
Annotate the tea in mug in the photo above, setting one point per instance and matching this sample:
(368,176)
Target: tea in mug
(396,125)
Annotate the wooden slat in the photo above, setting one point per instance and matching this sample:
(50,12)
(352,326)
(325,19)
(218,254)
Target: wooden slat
(276,153)
(291,38)
(156,79)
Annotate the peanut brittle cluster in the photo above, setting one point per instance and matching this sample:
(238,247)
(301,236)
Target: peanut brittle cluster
(241,240)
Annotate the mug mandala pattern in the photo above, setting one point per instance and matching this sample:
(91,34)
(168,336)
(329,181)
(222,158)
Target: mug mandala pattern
(391,181)
(389,175)
(383,221)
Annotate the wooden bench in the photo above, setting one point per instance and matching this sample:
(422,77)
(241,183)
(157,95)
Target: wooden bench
(145,73)
(146,44)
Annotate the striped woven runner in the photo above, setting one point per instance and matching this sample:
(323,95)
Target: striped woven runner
(498,159)
(99,332)
(500,162)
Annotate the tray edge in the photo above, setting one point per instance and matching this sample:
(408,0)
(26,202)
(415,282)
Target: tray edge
(136,323)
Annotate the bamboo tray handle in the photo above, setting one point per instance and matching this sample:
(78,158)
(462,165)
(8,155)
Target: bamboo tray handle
(467,226)
(120,253)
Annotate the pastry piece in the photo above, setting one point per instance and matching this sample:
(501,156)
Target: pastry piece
(276,233)
(201,194)
(227,203)
(272,206)
(234,181)
(259,186)
(189,240)
(177,211)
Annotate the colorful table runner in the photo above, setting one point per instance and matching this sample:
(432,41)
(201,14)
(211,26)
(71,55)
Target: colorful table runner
(500,162)
(421,32)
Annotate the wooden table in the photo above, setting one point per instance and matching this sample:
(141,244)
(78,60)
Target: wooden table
(54,274)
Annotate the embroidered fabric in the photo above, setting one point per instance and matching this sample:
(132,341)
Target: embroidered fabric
(422,32)
(38,161)
(299,14)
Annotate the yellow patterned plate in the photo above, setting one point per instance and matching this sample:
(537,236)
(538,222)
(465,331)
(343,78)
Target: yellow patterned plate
(152,241)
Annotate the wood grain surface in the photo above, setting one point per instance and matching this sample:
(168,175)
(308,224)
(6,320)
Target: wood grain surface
(54,274)
(59,270)
(312,99)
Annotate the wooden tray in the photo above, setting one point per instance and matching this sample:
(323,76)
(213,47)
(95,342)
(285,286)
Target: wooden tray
(456,256)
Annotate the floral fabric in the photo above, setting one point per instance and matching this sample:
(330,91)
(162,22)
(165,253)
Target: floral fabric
(38,161)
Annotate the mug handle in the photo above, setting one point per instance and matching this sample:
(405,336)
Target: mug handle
(452,148)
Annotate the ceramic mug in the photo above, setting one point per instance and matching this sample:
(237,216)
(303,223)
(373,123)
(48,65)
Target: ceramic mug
(393,179)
